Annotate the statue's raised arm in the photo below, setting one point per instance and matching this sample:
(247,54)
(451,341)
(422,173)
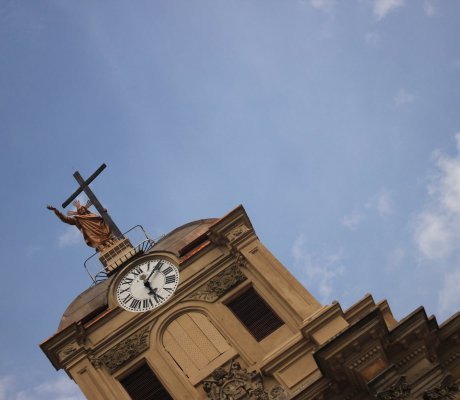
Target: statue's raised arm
(95,231)
(61,216)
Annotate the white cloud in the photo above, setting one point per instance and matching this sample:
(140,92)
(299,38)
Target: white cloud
(449,299)
(381,203)
(61,388)
(6,383)
(429,8)
(317,270)
(404,97)
(433,235)
(324,5)
(352,221)
(383,7)
(384,204)
(437,226)
(70,237)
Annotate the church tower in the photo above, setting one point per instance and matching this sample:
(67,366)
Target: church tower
(207,312)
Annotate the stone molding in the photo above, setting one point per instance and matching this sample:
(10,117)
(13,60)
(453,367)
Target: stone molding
(369,355)
(124,351)
(237,383)
(218,285)
(399,391)
(446,390)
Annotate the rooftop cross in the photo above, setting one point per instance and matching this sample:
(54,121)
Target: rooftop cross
(84,187)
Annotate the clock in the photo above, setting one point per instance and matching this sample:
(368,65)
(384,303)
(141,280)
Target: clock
(147,285)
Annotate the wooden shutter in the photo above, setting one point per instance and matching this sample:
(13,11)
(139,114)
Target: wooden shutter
(142,384)
(255,314)
(193,342)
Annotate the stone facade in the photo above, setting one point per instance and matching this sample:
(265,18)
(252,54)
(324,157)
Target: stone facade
(199,349)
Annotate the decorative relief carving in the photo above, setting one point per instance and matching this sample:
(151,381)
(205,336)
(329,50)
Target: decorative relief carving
(219,285)
(446,390)
(95,361)
(240,260)
(124,351)
(236,232)
(239,384)
(67,351)
(399,391)
(278,393)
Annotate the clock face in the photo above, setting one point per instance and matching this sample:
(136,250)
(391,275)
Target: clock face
(147,285)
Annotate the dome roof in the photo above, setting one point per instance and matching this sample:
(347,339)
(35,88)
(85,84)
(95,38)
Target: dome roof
(94,300)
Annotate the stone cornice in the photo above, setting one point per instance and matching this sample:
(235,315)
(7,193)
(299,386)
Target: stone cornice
(233,230)
(65,345)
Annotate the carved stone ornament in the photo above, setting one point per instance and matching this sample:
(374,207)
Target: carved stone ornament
(446,390)
(239,384)
(399,391)
(124,351)
(67,351)
(236,232)
(219,285)
(278,393)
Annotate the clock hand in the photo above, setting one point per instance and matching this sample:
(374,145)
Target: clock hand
(156,296)
(156,268)
(153,291)
(148,286)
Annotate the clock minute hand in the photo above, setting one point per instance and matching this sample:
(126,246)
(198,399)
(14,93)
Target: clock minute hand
(156,268)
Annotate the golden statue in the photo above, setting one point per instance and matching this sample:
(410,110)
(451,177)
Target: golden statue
(95,231)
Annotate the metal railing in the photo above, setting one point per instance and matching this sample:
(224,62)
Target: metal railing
(142,246)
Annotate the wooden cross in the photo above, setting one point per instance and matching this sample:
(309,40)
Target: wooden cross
(84,187)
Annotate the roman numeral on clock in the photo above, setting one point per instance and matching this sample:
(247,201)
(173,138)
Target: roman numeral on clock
(167,271)
(127,299)
(137,271)
(170,279)
(127,281)
(135,304)
(156,296)
(147,303)
(158,266)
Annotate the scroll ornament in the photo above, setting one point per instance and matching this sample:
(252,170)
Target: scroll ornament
(399,391)
(67,351)
(124,351)
(237,232)
(220,284)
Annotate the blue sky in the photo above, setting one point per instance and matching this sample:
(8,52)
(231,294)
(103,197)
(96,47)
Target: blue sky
(336,124)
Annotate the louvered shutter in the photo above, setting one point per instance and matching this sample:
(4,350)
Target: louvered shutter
(142,384)
(255,314)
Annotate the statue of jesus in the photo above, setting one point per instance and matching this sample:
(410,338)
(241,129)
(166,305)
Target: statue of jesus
(95,231)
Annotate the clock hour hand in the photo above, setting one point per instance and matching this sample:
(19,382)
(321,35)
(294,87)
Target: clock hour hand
(153,292)
(148,286)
